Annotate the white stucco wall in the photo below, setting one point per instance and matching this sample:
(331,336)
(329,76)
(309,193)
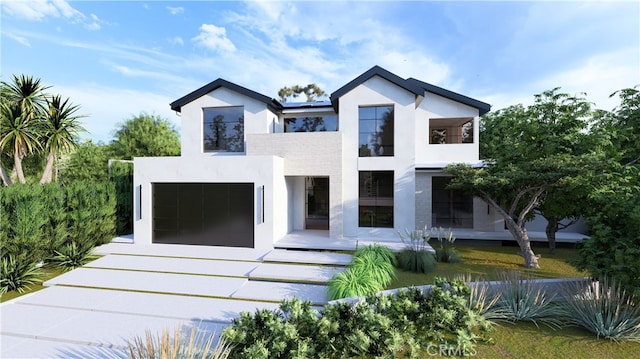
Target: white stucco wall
(373,92)
(267,171)
(257,119)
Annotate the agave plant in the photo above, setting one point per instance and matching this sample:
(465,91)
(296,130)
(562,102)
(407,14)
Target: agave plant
(17,275)
(166,345)
(603,308)
(71,256)
(483,299)
(523,300)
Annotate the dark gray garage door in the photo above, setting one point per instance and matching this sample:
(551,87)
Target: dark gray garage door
(211,214)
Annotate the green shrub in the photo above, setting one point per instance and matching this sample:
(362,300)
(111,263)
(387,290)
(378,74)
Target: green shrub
(166,345)
(521,300)
(17,274)
(603,308)
(445,252)
(121,175)
(416,261)
(39,219)
(71,256)
(356,281)
(384,326)
(284,333)
(378,267)
(382,252)
(416,257)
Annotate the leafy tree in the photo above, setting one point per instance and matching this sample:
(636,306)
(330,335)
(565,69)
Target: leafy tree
(533,155)
(145,135)
(311,91)
(59,130)
(22,105)
(613,209)
(88,162)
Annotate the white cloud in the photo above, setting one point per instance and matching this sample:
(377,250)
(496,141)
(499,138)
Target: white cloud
(176,40)
(175,10)
(38,10)
(107,107)
(22,40)
(214,38)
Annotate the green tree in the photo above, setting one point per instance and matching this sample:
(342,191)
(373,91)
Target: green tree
(60,128)
(23,103)
(311,91)
(532,154)
(145,135)
(88,162)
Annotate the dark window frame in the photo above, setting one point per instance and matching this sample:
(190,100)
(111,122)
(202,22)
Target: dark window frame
(378,143)
(310,125)
(233,143)
(376,199)
(450,208)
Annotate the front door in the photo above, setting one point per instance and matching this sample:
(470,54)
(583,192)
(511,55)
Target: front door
(317,203)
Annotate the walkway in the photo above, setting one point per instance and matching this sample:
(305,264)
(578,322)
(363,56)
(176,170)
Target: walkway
(95,310)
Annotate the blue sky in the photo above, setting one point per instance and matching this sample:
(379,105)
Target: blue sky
(118,58)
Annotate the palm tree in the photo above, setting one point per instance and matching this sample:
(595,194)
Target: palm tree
(19,137)
(60,128)
(22,104)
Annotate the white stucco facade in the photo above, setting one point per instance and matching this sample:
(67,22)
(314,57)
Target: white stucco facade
(281,166)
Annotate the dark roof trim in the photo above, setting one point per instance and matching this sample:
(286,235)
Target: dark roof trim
(375,71)
(482,107)
(271,103)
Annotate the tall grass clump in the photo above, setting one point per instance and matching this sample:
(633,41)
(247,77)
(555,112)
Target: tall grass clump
(445,252)
(416,257)
(176,345)
(370,271)
(523,300)
(603,308)
(71,256)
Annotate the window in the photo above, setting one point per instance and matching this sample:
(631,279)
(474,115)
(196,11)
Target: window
(224,129)
(311,124)
(375,204)
(450,130)
(451,208)
(375,131)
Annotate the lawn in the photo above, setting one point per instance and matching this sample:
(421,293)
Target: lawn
(522,339)
(487,261)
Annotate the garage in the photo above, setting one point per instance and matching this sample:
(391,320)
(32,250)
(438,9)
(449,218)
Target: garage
(210,214)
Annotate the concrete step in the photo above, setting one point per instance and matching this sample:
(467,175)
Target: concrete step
(295,273)
(149,282)
(175,265)
(183,251)
(308,257)
(276,291)
(145,304)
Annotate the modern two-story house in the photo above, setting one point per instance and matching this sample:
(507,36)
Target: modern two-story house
(365,164)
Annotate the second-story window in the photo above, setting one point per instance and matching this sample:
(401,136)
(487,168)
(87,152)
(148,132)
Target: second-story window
(223,129)
(375,131)
(450,130)
(311,124)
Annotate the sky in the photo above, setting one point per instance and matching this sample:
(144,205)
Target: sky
(116,59)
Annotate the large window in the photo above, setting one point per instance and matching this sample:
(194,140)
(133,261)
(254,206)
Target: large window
(451,208)
(224,129)
(311,124)
(375,131)
(376,199)
(450,130)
